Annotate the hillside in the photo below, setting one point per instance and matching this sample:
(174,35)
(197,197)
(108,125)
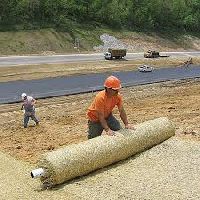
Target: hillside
(49,41)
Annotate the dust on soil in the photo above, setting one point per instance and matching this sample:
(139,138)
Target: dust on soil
(63,119)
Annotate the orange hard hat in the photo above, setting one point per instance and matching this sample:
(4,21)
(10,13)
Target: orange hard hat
(113,83)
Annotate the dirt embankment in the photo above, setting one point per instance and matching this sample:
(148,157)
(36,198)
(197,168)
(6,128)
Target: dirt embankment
(63,120)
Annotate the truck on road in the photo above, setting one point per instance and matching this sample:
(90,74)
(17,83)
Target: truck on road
(115,53)
(151,54)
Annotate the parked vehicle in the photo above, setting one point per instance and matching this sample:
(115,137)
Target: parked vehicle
(145,68)
(115,53)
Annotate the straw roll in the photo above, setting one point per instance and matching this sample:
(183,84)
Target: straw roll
(79,159)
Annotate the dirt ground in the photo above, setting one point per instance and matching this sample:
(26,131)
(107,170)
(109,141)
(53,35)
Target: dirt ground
(63,119)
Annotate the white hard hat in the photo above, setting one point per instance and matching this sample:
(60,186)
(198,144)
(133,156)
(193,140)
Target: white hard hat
(23,95)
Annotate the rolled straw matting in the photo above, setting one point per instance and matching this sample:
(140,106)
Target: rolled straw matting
(79,159)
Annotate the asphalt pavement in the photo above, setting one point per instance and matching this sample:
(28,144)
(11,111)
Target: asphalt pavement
(53,59)
(10,92)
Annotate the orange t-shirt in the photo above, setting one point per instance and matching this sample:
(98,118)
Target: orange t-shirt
(103,104)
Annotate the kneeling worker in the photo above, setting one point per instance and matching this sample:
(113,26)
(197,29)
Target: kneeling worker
(100,111)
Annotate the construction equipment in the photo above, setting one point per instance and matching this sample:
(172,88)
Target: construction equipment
(79,159)
(115,53)
(188,62)
(154,54)
(151,54)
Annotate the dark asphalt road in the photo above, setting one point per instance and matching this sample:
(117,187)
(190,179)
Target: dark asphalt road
(10,92)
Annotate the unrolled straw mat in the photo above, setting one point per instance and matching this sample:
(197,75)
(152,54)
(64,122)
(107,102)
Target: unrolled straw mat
(79,159)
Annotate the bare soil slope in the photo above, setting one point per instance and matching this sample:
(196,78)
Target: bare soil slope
(63,120)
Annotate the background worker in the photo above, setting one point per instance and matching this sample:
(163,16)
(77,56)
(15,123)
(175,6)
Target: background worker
(28,106)
(100,111)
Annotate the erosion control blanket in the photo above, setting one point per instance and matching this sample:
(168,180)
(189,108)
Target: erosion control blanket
(79,159)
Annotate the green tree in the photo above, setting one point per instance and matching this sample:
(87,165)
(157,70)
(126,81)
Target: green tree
(8,12)
(192,16)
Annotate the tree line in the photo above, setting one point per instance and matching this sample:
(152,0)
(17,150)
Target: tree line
(154,15)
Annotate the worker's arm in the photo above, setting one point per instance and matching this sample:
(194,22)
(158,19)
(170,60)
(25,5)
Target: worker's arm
(34,101)
(104,124)
(123,117)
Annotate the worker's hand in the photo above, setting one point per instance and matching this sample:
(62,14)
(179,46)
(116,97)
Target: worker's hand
(129,126)
(110,132)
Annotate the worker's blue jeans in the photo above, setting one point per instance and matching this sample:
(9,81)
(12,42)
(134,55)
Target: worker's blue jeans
(95,128)
(27,117)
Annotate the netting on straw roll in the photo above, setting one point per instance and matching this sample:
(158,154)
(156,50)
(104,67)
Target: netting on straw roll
(79,159)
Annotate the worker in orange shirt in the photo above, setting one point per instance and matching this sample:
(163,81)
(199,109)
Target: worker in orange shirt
(99,113)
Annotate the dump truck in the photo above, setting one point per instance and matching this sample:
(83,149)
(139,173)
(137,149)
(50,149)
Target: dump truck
(114,53)
(151,54)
